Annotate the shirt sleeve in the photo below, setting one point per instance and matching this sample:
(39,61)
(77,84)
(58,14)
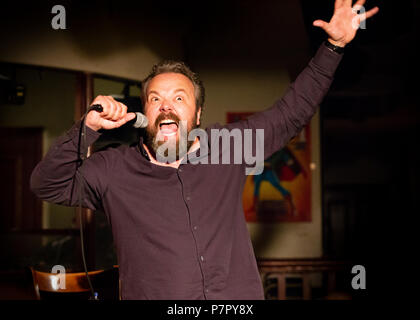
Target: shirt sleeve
(288,115)
(62,178)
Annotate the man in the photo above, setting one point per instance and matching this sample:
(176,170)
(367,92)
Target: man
(179,227)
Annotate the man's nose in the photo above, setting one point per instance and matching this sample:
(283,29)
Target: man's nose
(166,106)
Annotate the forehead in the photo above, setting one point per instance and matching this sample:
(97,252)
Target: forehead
(169,82)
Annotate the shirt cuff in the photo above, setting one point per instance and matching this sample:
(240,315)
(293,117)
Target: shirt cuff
(327,59)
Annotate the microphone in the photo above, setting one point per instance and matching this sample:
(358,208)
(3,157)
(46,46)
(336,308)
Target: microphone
(140,121)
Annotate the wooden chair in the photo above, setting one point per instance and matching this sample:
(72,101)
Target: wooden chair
(281,269)
(50,285)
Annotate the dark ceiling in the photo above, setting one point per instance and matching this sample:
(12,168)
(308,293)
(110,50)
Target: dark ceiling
(375,77)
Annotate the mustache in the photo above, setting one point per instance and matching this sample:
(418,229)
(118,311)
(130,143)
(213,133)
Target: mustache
(166,116)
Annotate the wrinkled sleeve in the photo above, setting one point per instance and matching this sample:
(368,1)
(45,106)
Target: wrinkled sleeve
(288,115)
(62,178)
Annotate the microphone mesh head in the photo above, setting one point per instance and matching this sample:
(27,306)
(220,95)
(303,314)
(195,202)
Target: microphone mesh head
(141,121)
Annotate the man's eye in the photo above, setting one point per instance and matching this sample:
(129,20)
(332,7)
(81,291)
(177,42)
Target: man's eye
(179,99)
(154,99)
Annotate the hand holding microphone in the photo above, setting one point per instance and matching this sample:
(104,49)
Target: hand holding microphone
(107,113)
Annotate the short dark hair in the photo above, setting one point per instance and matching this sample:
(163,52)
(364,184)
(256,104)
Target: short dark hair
(170,66)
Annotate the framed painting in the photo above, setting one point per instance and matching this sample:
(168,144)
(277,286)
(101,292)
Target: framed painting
(282,192)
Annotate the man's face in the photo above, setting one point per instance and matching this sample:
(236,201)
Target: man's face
(170,99)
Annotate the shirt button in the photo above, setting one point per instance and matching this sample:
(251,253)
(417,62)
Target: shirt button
(188,198)
(195,227)
(202,258)
(207,290)
(180,169)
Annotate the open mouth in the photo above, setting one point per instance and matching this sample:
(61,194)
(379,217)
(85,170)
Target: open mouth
(168,127)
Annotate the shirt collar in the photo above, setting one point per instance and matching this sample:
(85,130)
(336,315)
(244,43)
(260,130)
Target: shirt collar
(142,149)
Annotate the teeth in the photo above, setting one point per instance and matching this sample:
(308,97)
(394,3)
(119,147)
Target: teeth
(167,122)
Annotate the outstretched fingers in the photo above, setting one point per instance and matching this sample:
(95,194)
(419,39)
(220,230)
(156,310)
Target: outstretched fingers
(359,3)
(371,12)
(347,3)
(366,14)
(338,4)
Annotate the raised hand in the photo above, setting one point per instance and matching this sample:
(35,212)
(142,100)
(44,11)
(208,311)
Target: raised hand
(345,21)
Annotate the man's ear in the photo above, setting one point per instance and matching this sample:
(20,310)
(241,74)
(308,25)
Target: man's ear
(198,116)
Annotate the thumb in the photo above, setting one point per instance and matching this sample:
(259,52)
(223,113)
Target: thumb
(320,23)
(122,121)
(129,116)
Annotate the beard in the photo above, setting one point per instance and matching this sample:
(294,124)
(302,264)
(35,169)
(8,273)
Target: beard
(179,145)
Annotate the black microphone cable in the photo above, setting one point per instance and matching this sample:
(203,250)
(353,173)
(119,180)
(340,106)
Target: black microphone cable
(140,122)
(82,157)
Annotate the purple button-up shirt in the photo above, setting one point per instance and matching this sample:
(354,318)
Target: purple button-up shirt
(180,233)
